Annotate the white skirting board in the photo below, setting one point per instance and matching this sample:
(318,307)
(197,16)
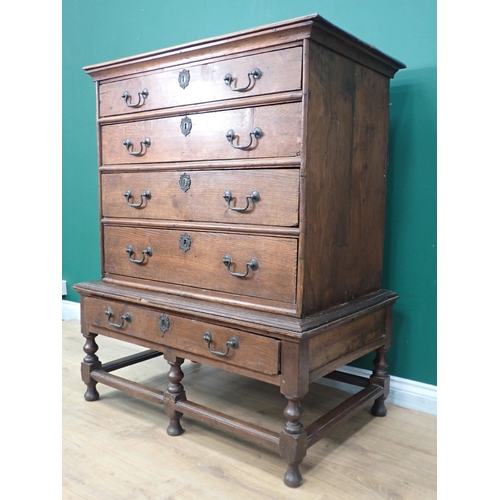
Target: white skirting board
(404,392)
(70,310)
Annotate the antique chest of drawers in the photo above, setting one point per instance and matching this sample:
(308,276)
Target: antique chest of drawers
(242,205)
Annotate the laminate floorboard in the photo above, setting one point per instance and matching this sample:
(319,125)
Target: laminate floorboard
(117,448)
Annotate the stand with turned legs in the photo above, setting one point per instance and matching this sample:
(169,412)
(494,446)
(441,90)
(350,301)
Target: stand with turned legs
(362,326)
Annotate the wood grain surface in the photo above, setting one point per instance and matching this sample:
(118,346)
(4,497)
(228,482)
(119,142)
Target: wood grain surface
(201,266)
(254,352)
(203,199)
(207,140)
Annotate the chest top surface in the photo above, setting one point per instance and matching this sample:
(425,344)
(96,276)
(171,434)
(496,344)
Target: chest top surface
(312,27)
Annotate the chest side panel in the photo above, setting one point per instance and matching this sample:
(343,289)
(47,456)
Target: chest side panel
(346,144)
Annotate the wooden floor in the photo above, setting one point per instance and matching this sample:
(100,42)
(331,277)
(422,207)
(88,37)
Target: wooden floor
(117,448)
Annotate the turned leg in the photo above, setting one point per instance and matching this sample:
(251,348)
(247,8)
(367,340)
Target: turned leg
(90,362)
(293,441)
(380,377)
(175,392)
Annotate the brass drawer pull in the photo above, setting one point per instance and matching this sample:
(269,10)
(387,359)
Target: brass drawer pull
(143,93)
(128,144)
(148,251)
(254,196)
(125,317)
(252,264)
(256,132)
(255,74)
(146,195)
(233,343)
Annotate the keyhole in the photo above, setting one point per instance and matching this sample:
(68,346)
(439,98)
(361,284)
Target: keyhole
(186,125)
(185,242)
(183,78)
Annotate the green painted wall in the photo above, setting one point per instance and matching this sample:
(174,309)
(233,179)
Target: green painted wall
(95,31)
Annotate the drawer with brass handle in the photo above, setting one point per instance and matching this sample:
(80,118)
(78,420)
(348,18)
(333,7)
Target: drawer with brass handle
(260,132)
(251,75)
(264,197)
(249,265)
(218,343)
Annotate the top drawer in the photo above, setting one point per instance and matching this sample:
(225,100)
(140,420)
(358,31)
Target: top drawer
(278,71)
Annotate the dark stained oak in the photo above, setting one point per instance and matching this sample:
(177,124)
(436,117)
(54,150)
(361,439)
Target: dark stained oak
(242,205)
(343,213)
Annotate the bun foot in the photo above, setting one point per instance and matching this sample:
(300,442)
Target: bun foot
(293,477)
(175,428)
(378,409)
(91,394)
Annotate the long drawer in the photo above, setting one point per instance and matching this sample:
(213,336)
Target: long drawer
(259,74)
(204,260)
(259,132)
(265,197)
(250,351)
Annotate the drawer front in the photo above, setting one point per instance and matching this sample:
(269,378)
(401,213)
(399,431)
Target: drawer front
(198,259)
(253,352)
(204,136)
(278,71)
(207,196)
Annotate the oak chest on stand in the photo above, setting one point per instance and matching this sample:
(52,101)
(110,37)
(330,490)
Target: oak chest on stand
(242,203)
